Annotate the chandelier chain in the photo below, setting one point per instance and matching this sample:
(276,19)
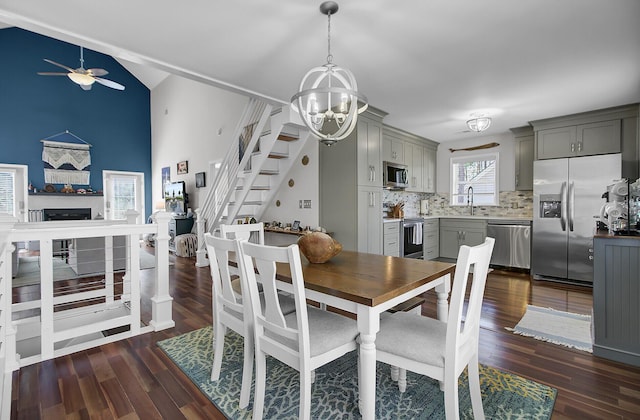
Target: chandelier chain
(329,56)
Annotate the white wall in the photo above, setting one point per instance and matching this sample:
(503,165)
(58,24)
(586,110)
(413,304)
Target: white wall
(186,118)
(506,165)
(306,187)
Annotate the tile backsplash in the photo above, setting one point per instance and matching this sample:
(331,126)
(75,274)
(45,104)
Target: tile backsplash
(512,204)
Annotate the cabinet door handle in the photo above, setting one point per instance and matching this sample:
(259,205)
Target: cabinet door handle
(517,180)
(373,173)
(579,146)
(573,147)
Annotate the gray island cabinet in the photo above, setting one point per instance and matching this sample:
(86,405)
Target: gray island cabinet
(616,298)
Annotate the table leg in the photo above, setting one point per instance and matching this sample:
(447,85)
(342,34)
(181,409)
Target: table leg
(368,326)
(443,291)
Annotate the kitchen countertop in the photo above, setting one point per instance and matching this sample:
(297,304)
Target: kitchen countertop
(386,219)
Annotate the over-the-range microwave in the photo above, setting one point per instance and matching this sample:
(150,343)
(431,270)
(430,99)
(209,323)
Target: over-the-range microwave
(395,175)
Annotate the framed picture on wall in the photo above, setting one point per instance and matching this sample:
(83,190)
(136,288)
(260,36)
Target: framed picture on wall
(166,178)
(200,180)
(183,167)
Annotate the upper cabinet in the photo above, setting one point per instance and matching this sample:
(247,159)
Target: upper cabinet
(392,147)
(369,163)
(524,157)
(611,130)
(418,153)
(579,140)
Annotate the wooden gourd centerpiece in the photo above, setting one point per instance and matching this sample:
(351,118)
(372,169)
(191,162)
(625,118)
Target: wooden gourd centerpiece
(319,247)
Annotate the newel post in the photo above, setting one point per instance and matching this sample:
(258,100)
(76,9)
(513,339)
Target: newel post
(8,332)
(201,253)
(161,301)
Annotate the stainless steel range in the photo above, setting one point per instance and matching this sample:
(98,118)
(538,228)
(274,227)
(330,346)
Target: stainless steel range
(412,240)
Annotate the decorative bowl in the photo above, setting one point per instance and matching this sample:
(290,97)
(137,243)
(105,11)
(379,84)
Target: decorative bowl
(319,247)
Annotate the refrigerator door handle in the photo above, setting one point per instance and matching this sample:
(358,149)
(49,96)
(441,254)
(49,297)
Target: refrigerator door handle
(572,201)
(563,206)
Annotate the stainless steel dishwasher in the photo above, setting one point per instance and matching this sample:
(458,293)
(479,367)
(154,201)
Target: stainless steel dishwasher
(513,242)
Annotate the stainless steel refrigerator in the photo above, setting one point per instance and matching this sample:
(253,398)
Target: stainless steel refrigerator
(567,196)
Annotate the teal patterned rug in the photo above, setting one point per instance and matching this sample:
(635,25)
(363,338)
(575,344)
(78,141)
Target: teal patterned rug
(504,395)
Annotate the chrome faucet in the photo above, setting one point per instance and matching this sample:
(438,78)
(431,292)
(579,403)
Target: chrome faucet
(470,201)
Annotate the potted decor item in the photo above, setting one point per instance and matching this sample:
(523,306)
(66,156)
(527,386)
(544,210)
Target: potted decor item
(319,247)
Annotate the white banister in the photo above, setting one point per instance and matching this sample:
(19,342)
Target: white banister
(7,333)
(162,301)
(201,253)
(101,299)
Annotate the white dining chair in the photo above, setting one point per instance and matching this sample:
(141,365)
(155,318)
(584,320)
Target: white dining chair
(229,311)
(252,232)
(244,232)
(441,350)
(304,340)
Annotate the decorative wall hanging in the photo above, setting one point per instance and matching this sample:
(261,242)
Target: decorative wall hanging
(183,167)
(166,179)
(482,146)
(65,162)
(200,180)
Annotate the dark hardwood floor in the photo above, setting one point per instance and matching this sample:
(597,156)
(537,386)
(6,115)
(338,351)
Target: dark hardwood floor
(134,379)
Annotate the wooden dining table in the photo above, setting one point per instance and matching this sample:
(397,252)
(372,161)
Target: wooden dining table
(367,285)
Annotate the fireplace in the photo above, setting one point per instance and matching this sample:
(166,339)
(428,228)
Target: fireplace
(66,214)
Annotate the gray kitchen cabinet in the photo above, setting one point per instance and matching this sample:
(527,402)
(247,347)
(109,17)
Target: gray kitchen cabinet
(391,238)
(369,220)
(431,239)
(414,157)
(524,150)
(457,232)
(616,298)
(609,130)
(418,153)
(350,202)
(580,140)
(392,146)
(369,133)
(429,169)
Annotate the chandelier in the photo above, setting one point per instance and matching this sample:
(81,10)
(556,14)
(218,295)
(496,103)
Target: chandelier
(478,123)
(328,100)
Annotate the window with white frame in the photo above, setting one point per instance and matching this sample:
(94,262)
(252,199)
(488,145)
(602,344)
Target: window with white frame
(13,190)
(478,172)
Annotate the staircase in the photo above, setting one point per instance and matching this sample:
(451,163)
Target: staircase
(269,142)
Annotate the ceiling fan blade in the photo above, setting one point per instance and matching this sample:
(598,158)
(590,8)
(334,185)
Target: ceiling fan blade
(109,83)
(97,72)
(49,73)
(69,69)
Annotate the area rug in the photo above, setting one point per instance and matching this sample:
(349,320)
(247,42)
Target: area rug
(557,327)
(504,395)
(29,269)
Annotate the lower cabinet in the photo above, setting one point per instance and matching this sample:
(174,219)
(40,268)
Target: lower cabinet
(616,299)
(391,239)
(457,232)
(369,216)
(431,239)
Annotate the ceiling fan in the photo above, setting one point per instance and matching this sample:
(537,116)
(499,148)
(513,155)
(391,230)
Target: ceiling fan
(83,77)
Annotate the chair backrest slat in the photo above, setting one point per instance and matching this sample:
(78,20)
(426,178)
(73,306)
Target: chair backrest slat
(476,258)
(219,250)
(244,232)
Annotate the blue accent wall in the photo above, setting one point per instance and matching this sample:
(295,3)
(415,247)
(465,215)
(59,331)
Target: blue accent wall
(32,107)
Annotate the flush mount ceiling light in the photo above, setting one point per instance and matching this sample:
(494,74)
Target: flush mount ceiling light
(328,97)
(479,122)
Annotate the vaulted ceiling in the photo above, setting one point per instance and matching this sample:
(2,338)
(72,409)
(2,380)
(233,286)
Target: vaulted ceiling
(429,64)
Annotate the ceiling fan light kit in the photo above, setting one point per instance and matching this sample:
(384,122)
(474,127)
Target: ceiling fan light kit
(328,100)
(83,77)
